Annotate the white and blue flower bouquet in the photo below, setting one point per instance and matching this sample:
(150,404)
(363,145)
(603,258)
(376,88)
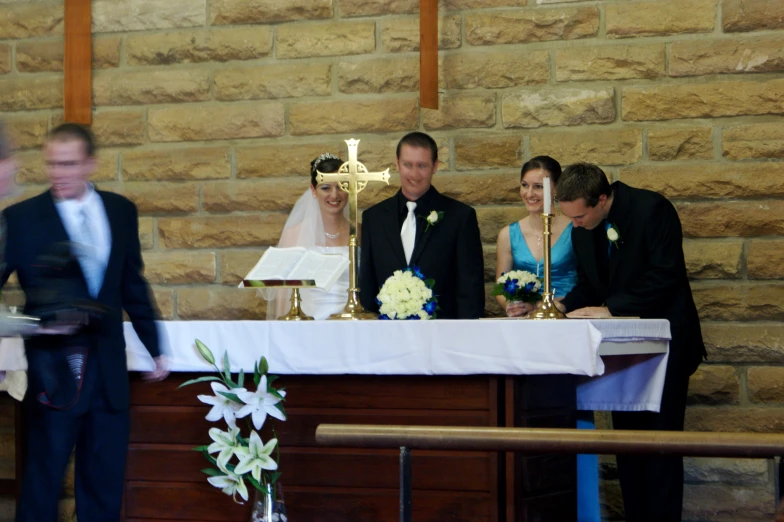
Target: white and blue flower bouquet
(406,294)
(519,285)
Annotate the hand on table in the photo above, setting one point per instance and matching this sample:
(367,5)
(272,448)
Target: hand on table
(518,309)
(590,311)
(160,372)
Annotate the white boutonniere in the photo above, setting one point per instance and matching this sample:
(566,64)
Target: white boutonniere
(613,235)
(433,219)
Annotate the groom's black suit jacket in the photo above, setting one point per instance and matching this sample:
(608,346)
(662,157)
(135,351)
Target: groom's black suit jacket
(449,252)
(645,275)
(33,228)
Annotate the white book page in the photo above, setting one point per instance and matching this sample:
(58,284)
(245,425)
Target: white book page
(276,263)
(325,269)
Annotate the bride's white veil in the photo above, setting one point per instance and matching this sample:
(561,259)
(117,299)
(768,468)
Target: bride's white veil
(303,228)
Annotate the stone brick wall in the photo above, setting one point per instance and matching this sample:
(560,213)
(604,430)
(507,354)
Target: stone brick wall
(209,112)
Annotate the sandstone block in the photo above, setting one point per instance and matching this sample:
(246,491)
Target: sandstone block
(326,39)
(162,197)
(26,130)
(762,140)
(179,267)
(273,81)
(31,92)
(713,384)
(744,343)
(534,25)
(739,302)
(273,160)
(706,100)
(488,152)
(456,111)
(198,45)
(660,18)
(39,56)
(713,259)
(493,219)
(480,189)
(494,70)
(728,471)
(164,302)
(66,510)
(490,258)
(766,384)
(735,419)
(177,164)
(765,259)
(235,264)
(616,62)
(118,127)
(479,4)
(752,15)
(5,59)
(147,229)
(233,12)
(735,218)
(715,180)
(679,143)
(377,7)
(723,502)
(267,195)
(402,34)
(216,122)
(219,302)
(370,115)
(492,309)
(220,231)
(378,76)
(555,107)
(603,147)
(31,19)
(148,87)
(110,16)
(753,55)
(106,52)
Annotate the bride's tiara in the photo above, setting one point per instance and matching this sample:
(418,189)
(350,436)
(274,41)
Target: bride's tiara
(323,157)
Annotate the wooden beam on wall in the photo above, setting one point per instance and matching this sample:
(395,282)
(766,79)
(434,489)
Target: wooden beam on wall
(428,54)
(78,62)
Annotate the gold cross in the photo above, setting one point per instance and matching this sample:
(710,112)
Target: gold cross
(352,177)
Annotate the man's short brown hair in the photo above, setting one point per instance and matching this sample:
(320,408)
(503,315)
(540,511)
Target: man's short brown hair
(582,180)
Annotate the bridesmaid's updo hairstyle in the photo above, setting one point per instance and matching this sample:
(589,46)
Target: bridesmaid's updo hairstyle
(326,163)
(545,163)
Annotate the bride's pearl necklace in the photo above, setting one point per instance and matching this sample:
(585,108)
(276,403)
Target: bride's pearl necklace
(332,236)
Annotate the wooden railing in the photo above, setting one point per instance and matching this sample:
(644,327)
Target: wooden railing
(547,440)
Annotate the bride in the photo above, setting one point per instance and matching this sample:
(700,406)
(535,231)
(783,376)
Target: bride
(318,221)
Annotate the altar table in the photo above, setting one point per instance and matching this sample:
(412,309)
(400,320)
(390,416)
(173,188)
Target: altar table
(459,373)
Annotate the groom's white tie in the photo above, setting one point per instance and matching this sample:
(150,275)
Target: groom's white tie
(408,232)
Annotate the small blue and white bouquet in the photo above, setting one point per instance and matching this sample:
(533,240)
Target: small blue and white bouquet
(406,294)
(519,285)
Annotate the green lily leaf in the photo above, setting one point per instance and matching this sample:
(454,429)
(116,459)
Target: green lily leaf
(231,396)
(212,472)
(241,380)
(200,379)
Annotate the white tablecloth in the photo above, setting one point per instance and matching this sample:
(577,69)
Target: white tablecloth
(501,347)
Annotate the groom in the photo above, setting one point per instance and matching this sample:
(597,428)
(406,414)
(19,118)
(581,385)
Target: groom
(397,233)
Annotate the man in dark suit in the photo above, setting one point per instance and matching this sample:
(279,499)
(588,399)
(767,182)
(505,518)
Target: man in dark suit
(628,244)
(396,234)
(78,393)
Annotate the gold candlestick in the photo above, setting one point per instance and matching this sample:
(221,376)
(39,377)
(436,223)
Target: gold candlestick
(547,308)
(295,312)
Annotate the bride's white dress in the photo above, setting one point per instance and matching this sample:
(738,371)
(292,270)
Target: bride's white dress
(320,304)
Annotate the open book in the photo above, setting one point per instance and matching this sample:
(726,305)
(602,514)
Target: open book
(298,264)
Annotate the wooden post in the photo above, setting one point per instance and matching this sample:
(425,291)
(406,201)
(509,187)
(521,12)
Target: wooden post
(428,54)
(78,62)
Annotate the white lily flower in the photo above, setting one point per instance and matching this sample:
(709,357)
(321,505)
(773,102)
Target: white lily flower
(259,404)
(222,406)
(256,457)
(225,445)
(230,484)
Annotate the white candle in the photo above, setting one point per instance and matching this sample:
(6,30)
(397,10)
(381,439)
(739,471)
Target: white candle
(547,197)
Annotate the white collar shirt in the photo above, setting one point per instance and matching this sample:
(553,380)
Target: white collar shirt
(91,205)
